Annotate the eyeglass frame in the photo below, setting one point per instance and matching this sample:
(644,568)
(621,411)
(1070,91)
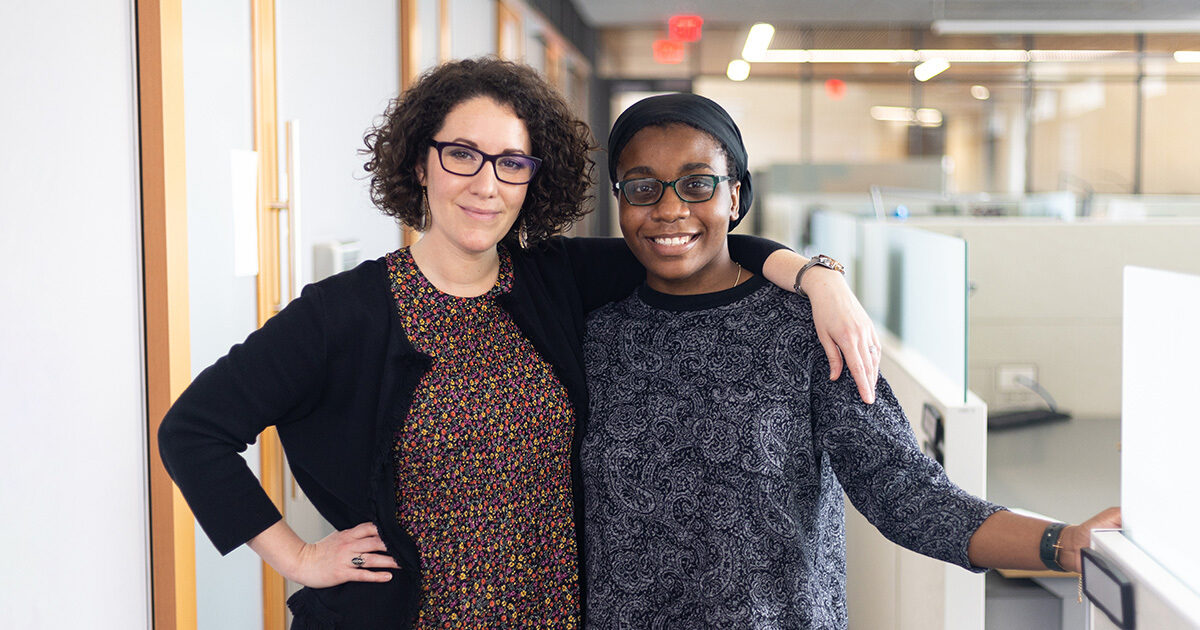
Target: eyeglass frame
(487,157)
(619,187)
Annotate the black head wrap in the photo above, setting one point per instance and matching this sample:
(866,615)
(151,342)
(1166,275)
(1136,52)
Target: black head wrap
(689,109)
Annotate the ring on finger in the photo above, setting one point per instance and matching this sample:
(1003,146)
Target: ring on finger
(873,349)
(358,561)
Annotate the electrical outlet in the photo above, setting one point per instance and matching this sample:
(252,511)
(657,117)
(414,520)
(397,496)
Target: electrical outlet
(1008,373)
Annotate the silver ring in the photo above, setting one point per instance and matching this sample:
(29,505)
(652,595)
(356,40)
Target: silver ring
(358,561)
(872,349)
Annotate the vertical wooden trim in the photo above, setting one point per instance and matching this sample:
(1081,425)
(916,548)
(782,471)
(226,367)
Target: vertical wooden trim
(164,242)
(266,143)
(410,43)
(410,69)
(554,75)
(501,11)
(507,16)
(444,51)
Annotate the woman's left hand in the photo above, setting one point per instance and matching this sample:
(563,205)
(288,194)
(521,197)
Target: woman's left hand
(1076,537)
(844,329)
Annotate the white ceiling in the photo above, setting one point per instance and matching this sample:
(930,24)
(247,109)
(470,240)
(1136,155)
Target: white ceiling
(606,13)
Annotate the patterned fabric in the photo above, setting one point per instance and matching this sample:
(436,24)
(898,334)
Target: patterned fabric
(482,463)
(712,463)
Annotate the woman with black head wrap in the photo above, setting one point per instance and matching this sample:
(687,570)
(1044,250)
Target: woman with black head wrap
(717,450)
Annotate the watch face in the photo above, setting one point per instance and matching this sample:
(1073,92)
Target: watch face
(826,261)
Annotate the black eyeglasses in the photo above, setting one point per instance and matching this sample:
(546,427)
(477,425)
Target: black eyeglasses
(510,168)
(646,191)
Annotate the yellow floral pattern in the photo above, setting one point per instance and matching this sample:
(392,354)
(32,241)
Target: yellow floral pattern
(483,463)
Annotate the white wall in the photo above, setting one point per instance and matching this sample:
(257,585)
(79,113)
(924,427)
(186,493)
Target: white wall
(473,28)
(218,118)
(1159,434)
(73,453)
(338,65)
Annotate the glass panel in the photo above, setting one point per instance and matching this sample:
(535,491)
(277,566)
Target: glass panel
(911,282)
(1082,135)
(766,110)
(983,123)
(836,234)
(1171,135)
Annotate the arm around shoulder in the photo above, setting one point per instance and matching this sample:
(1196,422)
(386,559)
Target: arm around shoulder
(843,326)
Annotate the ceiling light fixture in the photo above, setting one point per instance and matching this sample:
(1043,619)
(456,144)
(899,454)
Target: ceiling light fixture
(925,116)
(1187,56)
(1062,27)
(758,41)
(930,69)
(738,70)
(888,113)
(980,92)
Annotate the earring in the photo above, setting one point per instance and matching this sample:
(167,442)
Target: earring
(523,236)
(425,211)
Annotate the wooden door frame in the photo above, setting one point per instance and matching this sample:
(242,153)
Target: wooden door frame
(266,143)
(165,278)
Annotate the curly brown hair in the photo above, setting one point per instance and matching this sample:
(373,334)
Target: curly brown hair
(400,142)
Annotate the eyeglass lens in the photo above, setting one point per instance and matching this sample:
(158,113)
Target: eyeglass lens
(463,160)
(690,188)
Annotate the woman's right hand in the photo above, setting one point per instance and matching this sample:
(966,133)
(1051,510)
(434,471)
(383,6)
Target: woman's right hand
(328,562)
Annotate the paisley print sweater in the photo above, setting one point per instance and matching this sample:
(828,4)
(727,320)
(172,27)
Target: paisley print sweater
(714,462)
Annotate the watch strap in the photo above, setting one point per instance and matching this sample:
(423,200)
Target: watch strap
(1048,549)
(820,260)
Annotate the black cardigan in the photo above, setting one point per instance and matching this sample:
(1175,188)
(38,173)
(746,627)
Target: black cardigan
(335,374)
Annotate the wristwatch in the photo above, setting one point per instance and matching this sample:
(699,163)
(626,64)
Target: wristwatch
(1050,546)
(819,260)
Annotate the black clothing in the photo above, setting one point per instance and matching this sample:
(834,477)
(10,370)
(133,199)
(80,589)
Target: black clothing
(335,373)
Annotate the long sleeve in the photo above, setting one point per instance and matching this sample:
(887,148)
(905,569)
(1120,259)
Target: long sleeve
(606,271)
(901,491)
(270,378)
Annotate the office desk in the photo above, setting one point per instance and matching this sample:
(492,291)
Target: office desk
(1066,470)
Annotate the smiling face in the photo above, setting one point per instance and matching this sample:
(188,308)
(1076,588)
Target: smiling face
(682,245)
(472,213)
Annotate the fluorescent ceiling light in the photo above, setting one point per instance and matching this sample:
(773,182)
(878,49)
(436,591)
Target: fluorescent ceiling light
(758,41)
(930,69)
(1072,55)
(1020,27)
(929,117)
(738,70)
(1187,56)
(758,50)
(859,56)
(925,116)
(999,55)
(892,114)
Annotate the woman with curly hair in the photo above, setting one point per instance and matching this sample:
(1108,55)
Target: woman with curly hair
(431,402)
